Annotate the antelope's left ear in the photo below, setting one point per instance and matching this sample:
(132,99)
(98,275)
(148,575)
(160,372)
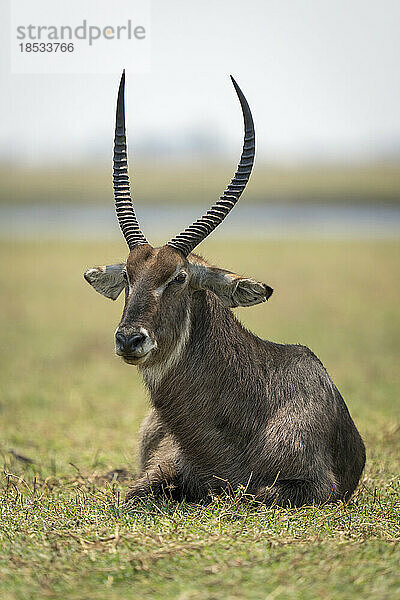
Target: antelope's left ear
(233,290)
(108,280)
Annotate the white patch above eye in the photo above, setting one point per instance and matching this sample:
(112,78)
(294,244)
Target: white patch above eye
(158,291)
(127,280)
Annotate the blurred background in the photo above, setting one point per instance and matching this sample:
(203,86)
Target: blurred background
(323,83)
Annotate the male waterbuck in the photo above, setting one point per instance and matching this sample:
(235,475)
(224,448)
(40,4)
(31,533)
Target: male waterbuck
(228,408)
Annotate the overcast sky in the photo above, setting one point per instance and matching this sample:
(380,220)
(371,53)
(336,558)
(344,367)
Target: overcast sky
(322,78)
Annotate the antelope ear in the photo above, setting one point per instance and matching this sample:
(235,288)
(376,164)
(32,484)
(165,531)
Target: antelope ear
(247,292)
(230,288)
(107,280)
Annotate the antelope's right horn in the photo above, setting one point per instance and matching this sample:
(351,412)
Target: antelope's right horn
(123,201)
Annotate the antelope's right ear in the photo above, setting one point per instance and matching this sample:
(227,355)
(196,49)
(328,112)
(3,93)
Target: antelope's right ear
(108,280)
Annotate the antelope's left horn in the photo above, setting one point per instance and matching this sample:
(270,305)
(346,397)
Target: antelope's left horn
(123,201)
(200,229)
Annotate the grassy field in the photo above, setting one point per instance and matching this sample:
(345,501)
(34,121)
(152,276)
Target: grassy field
(161,182)
(70,412)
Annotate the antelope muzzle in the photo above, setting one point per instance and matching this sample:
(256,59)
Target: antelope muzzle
(134,346)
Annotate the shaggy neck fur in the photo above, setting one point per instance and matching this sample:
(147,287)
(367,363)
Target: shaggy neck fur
(212,371)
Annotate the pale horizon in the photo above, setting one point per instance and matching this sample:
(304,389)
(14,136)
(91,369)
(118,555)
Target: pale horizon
(322,80)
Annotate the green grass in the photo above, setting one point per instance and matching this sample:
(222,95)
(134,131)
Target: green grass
(160,182)
(72,408)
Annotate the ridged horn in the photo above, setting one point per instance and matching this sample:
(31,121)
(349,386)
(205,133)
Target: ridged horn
(123,201)
(188,239)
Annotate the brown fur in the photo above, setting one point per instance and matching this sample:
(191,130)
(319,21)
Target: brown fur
(228,407)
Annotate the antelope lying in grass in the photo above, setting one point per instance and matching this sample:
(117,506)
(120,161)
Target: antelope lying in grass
(227,407)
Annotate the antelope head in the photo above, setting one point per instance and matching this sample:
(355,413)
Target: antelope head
(159,283)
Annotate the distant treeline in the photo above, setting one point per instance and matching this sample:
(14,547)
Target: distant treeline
(183,183)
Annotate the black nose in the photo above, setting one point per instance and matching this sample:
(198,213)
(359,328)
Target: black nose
(128,345)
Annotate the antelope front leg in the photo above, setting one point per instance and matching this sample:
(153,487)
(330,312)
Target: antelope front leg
(160,475)
(155,482)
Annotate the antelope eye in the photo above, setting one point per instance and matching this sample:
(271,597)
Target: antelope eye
(180,278)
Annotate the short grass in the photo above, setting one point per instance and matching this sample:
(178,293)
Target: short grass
(162,182)
(70,413)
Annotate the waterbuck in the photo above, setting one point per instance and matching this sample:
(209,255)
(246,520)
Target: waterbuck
(228,408)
